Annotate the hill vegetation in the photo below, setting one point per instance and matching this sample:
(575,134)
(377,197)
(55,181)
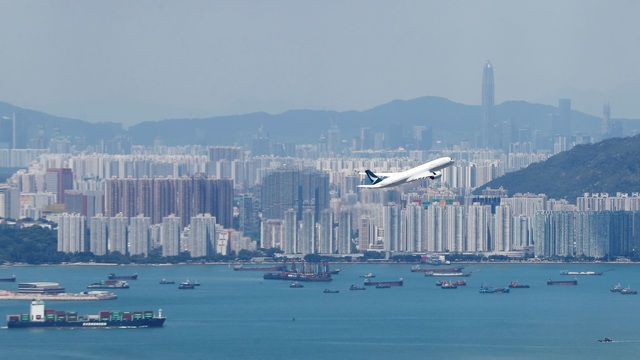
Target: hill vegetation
(609,166)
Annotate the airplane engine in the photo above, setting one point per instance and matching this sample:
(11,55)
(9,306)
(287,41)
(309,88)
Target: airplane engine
(436,175)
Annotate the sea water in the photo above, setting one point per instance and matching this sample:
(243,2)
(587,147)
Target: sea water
(238,315)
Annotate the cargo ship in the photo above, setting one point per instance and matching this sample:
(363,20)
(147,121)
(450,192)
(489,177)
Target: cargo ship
(39,317)
(259,268)
(356,287)
(369,282)
(517,285)
(493,290)
(562,282)
(9,279)
(431,273)
(567,272)
(109,284)
(417,268)
(113,276)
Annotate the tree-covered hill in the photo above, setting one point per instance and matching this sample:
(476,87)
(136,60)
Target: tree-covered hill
(609,166)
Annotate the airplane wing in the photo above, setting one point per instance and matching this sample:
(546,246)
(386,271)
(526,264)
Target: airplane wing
(383,175)
(425,175)
(369,186)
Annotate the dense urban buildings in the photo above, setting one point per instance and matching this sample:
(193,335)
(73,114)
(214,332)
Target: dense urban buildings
(304,198)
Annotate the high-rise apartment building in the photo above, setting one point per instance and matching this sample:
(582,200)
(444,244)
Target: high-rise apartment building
(139,235)
(98,235)
(170,236)
(71,230)
(57,181)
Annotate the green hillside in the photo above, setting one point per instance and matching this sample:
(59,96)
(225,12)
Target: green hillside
(609,166)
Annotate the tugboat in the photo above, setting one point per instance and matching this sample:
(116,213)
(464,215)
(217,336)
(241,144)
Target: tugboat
(628,291)
(616,288)
(448,285)
(186,285)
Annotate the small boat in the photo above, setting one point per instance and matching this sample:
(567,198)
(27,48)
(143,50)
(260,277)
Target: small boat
(616,288)
(448,285)
(186,285)
(9,279)
(383,286)
(628,291)
(329,291)
(517,285)
(167,282)
(356,287)
(296,284)
(368,275)
(605,340)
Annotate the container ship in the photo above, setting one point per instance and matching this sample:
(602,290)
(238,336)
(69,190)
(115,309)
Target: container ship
(39,317)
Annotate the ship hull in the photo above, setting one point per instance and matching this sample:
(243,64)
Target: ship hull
(140,323)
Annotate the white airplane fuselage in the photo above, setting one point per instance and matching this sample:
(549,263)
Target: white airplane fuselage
(430,170)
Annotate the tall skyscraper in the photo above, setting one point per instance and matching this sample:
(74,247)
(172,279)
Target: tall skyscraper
(487,106)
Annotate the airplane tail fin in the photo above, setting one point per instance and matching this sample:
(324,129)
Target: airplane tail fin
(373,177)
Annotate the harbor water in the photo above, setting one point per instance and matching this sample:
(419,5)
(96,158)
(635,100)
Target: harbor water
(238,315)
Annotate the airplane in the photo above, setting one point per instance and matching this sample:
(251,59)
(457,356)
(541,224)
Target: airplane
(431,170)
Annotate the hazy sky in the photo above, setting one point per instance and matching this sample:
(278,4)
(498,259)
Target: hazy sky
(130,61)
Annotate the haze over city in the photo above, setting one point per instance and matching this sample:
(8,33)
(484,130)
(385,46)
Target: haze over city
(150,60)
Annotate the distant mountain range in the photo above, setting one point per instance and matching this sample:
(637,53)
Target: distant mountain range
(450,122)
(609,166)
